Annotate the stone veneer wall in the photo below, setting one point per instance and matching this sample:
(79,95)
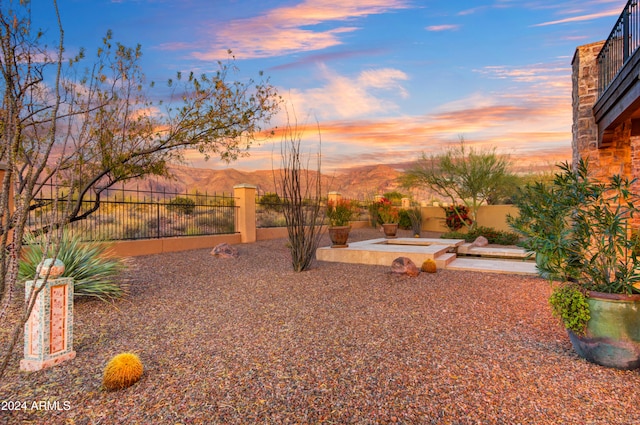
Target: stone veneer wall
(621,155)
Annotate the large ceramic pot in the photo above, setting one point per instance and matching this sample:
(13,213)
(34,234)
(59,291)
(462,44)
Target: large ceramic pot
(339,236)
(612,337)
(390,229)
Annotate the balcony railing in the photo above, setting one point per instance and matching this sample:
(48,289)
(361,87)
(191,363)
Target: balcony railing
(623,41)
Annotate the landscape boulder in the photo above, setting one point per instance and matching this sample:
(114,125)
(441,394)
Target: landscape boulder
(404,265)
(480,241)
(224,250)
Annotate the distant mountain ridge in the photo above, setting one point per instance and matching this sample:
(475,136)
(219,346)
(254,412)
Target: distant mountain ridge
(359,182)
(356,183)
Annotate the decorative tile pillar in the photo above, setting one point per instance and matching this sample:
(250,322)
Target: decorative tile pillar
(48,334)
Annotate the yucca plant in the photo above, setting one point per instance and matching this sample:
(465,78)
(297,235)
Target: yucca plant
(94,273)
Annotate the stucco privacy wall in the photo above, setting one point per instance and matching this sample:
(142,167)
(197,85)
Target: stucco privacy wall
(494,216)
(621,154)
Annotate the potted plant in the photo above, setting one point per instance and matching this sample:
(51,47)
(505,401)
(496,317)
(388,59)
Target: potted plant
(581,230)
(340,213)
(389,216)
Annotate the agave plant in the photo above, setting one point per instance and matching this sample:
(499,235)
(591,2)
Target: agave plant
(94,273)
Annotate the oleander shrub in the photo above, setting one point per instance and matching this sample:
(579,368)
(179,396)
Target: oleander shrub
(122,371)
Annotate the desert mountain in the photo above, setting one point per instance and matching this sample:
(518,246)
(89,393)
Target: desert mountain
(355,183)
(361,182)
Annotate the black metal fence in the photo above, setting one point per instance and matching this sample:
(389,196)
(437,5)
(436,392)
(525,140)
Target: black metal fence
(140,214)
(269,209)
(623,41)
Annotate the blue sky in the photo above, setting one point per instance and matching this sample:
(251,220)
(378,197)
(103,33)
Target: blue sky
(385,80)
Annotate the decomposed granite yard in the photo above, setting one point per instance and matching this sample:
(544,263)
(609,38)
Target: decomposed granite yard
(248,341)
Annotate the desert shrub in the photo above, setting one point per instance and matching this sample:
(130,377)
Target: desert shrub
(181,204)
(135,230)
(270,219)
(457,216)
(225,223)
(415,215)
(494,236)
(94,274)
(405,220)
(122,371)
(271,202)
(374,220)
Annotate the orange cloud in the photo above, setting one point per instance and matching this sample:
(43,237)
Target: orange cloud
(532,116)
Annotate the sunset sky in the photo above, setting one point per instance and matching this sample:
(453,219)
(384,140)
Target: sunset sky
(385,80)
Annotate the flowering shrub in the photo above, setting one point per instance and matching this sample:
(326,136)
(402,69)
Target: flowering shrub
(457,216)
(340,213)
(387,212)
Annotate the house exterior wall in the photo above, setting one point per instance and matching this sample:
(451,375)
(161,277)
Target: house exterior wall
(620,155)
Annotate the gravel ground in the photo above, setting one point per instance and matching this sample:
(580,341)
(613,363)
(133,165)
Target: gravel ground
(244,341)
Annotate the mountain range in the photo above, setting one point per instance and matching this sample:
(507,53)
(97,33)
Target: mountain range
(358,182)
(354,183)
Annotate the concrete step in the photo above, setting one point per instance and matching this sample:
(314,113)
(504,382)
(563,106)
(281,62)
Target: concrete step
(490,251)
(443,260)
(494,266)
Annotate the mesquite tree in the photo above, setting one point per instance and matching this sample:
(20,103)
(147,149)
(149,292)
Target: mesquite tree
(462,174)
(81,126)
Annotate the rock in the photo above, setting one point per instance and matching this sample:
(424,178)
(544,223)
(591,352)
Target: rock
(480,241)
(224,250)
(404,265)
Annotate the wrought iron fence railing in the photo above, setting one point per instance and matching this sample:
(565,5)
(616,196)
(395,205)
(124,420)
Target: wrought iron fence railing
(126,214)
(621,44)
(269,210)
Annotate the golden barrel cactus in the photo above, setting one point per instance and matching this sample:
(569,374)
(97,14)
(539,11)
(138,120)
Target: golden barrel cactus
(122,371)
(429,266)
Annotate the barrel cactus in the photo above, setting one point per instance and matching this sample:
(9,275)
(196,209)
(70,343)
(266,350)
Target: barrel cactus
(122,371)
(429,266)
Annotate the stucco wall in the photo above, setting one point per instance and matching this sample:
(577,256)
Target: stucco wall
(494,216)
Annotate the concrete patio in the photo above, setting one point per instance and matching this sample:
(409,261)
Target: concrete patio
(453,254)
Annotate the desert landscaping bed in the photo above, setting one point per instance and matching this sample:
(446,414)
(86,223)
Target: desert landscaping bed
(247,340)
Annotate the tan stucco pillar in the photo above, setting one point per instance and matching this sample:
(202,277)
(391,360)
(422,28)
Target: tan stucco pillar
(245,195)
(334,197)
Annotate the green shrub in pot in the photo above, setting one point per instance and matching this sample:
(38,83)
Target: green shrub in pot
(581,229)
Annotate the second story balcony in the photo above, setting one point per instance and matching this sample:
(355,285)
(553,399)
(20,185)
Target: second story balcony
(619,74)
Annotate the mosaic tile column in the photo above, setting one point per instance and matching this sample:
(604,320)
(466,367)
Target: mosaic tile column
(48,334)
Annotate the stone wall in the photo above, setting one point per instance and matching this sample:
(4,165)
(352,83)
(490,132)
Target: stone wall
(620,152)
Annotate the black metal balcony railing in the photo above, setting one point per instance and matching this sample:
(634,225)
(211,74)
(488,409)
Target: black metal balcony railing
(623,41)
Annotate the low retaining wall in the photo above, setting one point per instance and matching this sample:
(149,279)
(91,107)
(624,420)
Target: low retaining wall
(266,233)
(185,243)
(159,246)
